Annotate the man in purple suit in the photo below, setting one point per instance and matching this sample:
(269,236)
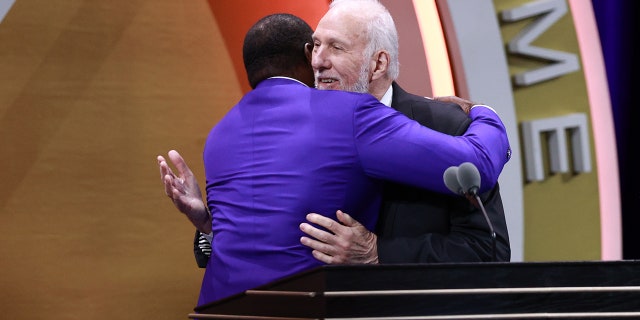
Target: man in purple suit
(287,149)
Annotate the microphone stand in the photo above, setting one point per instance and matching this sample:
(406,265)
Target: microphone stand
(466,177)
(477,202)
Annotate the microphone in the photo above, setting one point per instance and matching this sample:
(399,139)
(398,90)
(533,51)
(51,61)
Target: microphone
(465,180)
(469,178)
(450,177)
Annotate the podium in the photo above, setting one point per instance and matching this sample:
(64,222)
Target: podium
(509,290)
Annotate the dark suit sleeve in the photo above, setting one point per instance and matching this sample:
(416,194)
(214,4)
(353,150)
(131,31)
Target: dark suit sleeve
(438,228)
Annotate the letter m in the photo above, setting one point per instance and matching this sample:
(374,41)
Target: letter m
(549,11)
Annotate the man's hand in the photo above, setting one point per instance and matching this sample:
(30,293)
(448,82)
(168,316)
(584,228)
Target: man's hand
(463,103)
(348,241)
(184,191)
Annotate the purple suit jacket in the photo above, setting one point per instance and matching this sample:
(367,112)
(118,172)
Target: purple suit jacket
(286,150)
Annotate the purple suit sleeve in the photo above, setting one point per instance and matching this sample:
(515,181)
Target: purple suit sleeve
(394,147)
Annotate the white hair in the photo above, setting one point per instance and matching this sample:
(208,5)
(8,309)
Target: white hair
(381,30)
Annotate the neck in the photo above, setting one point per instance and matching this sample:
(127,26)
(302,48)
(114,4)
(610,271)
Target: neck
(379,87)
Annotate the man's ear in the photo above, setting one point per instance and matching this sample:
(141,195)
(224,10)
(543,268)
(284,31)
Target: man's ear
(380,63)
(308,47)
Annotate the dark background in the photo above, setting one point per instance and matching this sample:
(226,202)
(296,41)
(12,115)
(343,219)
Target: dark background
(618,27)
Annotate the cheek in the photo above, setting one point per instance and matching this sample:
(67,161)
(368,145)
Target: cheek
(349,71)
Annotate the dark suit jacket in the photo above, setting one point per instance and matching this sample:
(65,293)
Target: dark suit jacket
(417,226)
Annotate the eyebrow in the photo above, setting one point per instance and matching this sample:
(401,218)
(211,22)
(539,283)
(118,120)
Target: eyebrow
(332,39)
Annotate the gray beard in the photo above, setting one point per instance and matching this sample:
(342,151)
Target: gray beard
(361,85)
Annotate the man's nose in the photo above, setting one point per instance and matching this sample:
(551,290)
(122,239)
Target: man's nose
(319,59)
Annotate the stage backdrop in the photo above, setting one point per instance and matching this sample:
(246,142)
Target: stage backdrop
(92,91)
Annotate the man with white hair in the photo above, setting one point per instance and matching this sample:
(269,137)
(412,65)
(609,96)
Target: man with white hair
(356,49)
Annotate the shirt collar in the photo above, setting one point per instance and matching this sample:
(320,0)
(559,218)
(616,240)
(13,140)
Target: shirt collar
(386,99)
(296,80)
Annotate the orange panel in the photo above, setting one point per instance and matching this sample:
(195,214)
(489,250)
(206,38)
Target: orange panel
(235,17)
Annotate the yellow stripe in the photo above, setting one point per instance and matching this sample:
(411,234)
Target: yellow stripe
(435,47)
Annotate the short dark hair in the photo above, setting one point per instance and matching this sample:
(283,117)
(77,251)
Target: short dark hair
(274,46)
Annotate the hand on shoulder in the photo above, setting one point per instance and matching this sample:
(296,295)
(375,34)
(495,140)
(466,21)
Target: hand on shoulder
(464,104)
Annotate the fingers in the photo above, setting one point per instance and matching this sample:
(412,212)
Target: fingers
(453,99)
(161,164)
(165,170)
(166,176)
(346,219)
(464,104)
(169,187)
(174,187)
(321,251)
(321,241)
(160,159)
(325,244)
(179,163)
(314,244)
(166,182)
(334,226)
(316,233)
(325,222)
(322,257)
